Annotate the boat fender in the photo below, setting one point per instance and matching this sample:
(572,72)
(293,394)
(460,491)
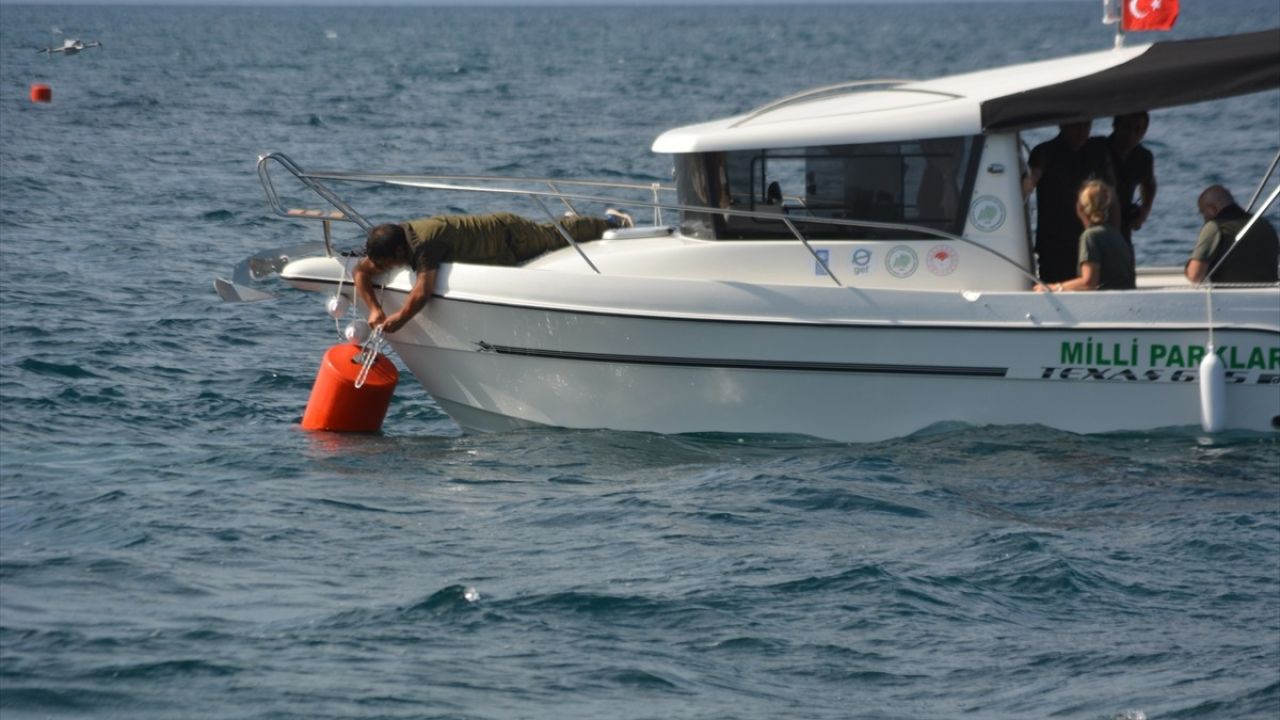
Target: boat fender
(1213,392)
(337,306)
(357,332)
(339,402)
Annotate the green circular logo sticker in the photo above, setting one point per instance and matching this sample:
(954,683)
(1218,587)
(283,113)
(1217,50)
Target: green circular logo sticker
(987,213)
(901,261)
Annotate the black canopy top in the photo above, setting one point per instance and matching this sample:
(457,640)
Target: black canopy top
(1169,73)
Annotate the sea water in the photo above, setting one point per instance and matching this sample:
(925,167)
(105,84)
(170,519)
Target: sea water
(173,545)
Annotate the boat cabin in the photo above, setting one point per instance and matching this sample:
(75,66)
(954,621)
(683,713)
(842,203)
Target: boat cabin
(913,185)
(867,209)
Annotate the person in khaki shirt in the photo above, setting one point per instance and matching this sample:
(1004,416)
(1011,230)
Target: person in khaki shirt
(495,239)
(1254,256)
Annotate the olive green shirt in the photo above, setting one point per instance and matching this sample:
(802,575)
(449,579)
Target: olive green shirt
(1104,245)
(494,239)
(1254,257)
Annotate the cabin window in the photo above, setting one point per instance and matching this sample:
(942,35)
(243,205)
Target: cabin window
(923,182)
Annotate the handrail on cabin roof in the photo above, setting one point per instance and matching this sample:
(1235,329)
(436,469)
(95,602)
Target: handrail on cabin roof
(832,89)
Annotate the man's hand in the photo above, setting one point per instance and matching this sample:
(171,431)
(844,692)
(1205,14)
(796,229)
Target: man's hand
(394,322)
(376,317)
(1196,270)
(1143,213)
(423,285)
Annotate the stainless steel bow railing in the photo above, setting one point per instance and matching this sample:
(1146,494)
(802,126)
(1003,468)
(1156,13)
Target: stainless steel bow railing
(554,190)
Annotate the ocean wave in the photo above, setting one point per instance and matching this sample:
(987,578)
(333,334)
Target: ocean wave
(218,216)
(360,507)
(58,370)
(129,102)
(758,646)
(636,678)
(850,580)
(35,695)
(164,670)
(454,598)
(848,502)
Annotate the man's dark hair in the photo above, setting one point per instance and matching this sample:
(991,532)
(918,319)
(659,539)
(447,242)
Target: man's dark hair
(386,242)
(1141,115)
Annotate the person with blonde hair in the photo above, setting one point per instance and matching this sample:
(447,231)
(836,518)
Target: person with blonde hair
(1105,259)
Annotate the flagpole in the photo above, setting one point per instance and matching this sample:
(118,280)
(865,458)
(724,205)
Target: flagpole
(1112,16)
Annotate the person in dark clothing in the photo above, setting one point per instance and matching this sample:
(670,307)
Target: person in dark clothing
(496,239)
(1254,256)
(1057,170)
(1135,171)
(1104,258)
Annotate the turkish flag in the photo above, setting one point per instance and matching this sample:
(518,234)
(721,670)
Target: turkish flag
(1149,14)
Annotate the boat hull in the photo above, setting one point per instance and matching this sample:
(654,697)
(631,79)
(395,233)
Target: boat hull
(503,348)
(496,366)
(496,393)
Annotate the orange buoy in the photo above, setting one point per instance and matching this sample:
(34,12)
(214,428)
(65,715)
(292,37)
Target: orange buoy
(41,93)
(336,403)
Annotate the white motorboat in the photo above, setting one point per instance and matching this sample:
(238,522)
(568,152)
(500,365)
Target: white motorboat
(806,285)
(70,46)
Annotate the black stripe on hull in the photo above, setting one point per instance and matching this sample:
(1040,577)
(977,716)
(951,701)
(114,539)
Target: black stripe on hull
(734,364)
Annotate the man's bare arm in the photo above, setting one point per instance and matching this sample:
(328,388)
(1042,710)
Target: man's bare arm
(364,274)
(423,286)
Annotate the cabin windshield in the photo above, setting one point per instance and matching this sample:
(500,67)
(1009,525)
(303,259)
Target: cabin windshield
(919,182)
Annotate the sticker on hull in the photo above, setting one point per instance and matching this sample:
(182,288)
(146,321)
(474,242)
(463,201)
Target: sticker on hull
(901,261)
(862,258)
(1137,361)
(942,260)
(987,213)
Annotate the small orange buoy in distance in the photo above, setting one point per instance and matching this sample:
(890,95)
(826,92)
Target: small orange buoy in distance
(337,405)
(41,93)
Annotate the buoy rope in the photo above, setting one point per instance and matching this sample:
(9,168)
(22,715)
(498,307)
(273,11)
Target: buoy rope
(1208,298)
(337,319)
(370,351)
